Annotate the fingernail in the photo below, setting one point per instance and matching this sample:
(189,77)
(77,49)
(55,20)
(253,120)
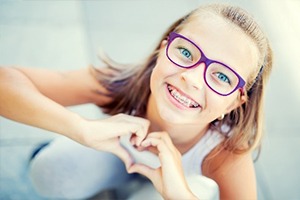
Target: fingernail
(145,144)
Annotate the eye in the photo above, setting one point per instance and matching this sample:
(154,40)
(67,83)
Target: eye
(186,53)
(222,77)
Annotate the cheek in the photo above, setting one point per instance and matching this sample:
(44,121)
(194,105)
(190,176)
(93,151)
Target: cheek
(162,71)
(218,105)
(214,104)
(154,79)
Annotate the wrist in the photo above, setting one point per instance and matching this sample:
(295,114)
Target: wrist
(184,193)
(74,127)
(187,195)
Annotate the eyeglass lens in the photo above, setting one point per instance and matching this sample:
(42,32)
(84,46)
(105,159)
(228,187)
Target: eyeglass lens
(217,76)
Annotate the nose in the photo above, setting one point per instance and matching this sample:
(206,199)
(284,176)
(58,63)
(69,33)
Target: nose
(194,77)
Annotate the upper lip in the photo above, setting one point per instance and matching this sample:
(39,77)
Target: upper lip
(184,94)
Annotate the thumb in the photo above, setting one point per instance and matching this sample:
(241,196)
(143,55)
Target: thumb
(142,169)
(154,175)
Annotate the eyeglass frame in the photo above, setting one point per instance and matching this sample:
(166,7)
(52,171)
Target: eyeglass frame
(203,59)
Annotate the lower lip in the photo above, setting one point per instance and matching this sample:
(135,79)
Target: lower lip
(175,102)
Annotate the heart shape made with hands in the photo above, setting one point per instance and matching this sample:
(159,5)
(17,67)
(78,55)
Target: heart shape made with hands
(141,157)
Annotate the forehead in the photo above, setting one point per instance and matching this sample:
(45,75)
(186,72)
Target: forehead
(221,40)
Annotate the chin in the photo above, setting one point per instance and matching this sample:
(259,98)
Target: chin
(171,117)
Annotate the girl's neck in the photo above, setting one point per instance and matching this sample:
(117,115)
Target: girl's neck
(184,136)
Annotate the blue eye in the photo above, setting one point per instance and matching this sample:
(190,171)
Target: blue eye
(186,53)
(223,77)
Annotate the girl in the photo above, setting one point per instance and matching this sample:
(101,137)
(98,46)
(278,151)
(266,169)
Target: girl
(196,103)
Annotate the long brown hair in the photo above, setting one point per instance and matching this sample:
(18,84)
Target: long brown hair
(129,85)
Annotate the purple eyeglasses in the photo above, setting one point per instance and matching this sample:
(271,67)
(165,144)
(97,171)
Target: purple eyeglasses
(220,78)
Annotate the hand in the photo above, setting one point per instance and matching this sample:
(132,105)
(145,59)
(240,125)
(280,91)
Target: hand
(169,179)
(104,134)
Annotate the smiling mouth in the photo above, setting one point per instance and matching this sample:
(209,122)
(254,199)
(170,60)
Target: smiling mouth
(184,100)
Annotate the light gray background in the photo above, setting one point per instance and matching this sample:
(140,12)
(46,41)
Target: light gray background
(67,34)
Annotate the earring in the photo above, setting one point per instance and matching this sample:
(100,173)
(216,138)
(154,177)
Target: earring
(221,117)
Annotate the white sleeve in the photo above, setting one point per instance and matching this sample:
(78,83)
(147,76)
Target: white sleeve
(203,187)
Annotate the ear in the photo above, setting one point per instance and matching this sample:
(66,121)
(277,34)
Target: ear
(163,43)
(238,102)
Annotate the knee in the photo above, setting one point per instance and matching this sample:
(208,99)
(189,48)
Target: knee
(68,170)
(66,176)
(58,181)
(48,183)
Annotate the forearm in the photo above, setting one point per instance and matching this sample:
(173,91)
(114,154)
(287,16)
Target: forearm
(22,102)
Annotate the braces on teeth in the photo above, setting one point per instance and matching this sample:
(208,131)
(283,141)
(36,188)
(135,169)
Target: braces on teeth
(182,99)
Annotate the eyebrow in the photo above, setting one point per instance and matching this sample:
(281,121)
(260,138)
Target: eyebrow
(190,37)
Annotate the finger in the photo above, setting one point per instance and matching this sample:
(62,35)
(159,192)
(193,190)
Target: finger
(133,142)
(155,142)
(142,133)
(144,123)
(128,118)
(151,149)
(161,135)
(124,128)
(139,120)
(137,126)
(143,169)
(167,155)
(154,175)
(133,139)
(133,124)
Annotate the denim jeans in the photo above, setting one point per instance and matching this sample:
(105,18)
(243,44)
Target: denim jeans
(65,169)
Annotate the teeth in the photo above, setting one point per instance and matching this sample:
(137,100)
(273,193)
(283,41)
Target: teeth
(182,99)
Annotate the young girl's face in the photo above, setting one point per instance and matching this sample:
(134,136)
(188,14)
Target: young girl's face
(181,95)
